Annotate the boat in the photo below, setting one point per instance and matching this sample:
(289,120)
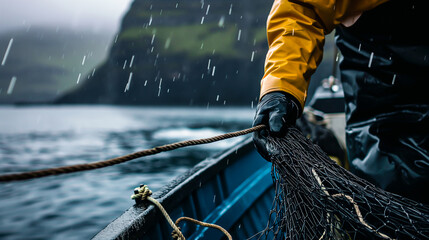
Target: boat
(233,190)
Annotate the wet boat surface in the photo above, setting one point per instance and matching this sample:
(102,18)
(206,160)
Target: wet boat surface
(234,190)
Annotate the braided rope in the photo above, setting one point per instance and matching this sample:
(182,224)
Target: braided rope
(144,193)
(204,224)
(122,159)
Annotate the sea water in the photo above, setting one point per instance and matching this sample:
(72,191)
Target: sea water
(78,205)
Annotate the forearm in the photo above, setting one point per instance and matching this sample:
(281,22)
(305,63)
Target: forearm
(296,31)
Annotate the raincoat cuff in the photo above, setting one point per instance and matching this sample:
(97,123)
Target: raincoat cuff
(272,85)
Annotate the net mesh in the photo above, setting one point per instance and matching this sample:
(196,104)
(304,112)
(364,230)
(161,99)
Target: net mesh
(317,199)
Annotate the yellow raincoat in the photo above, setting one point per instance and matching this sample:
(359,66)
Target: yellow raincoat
(296,32)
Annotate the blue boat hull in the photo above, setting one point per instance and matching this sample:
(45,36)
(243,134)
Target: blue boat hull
(234,190)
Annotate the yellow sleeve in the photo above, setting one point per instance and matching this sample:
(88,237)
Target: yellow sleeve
(296,32)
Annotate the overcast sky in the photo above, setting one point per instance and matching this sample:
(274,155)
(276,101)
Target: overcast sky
(93,15)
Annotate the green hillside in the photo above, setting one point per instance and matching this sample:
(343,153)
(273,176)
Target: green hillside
(46,62)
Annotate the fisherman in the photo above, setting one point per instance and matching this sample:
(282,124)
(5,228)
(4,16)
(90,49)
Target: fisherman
(385,76)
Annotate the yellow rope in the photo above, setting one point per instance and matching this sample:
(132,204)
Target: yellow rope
(144,193)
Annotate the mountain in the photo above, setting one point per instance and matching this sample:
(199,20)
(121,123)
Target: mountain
(195,52)
(45,62)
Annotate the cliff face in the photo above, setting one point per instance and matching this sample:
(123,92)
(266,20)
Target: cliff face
(193,52)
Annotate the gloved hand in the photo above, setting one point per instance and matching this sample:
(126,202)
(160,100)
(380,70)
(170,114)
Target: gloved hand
(278,111)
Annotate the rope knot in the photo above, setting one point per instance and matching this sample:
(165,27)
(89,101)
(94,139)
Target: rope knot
(141,193)
(175,235)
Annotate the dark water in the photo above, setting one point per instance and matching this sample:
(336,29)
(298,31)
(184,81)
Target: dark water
(77,206)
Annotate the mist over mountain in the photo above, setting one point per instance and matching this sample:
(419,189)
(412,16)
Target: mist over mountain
(182,53)
(190,53)
(39,63)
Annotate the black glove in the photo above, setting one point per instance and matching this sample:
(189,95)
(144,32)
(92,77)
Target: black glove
(278,111)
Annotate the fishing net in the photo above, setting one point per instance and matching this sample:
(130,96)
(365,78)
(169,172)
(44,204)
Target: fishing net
(317,199)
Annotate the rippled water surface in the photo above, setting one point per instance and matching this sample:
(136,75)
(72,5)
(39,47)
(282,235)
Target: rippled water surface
(78,205)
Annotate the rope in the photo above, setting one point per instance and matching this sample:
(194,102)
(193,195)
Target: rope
(350,199)
(122,159)
(144,193)
(204,224)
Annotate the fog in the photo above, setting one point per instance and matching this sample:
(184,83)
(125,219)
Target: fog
(92,15)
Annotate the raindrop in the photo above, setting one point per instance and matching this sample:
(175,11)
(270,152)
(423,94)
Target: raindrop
(370,59)
(160,12)
(214,198)
(221,22)
(6,54)
(208,8)
(239,35)
(150,20)
(145,83)
(116,38)
(93,72)
(224,102)
(251,105)
(131,61)
(78,78)
(230,9)
(127,87)
(153,38)
(253,55)
(213,71)
(360,45)
(159,87)
(167,43)
(217,98)
(202,20)
(202,76)
(208,65)
(11,85)
(156,59)
(125,64)
(177,4)
(293,31)
(394,78)
(202,45)
(83,60)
